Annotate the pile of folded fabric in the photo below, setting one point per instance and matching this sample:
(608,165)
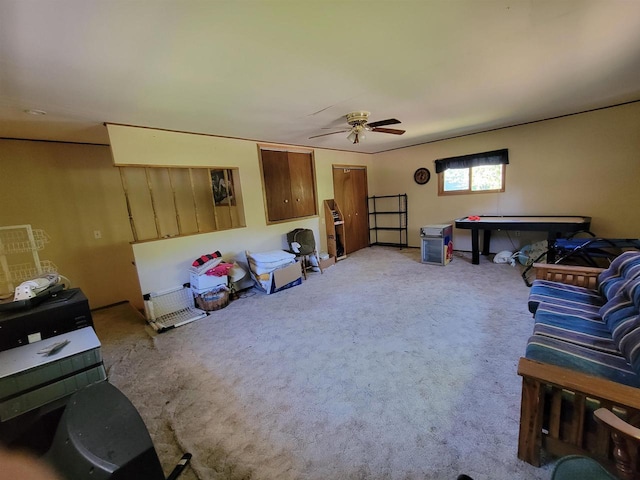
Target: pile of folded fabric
(264,264)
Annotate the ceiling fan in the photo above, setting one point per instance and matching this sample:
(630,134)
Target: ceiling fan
(359,126)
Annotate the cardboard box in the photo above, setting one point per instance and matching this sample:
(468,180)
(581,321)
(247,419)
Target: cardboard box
(280,279)
(204,283)
(327,262)
(286,275)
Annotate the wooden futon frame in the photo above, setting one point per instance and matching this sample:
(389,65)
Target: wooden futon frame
(558,404)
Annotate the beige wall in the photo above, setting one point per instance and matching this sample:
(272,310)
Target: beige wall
(587,164)
(164,264)
(70,191)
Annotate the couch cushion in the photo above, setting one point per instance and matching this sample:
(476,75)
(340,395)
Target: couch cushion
(568,312)
(627,324)
(632,289)
(569,355)
(630,347)
(609,280)
(574,325)
(616,309)
(597,340)
(562,294)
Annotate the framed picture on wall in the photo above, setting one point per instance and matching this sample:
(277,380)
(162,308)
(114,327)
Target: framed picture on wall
(222,186)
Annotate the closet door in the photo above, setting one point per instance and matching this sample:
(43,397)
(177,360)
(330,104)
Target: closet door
(360,234)
(302,193)
(277,185)
(350,191)
(289,184)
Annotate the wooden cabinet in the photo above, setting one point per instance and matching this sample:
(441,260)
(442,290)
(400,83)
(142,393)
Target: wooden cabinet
(289,184)
(334,221)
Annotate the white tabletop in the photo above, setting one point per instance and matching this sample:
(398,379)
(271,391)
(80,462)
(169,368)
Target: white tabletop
(23,358)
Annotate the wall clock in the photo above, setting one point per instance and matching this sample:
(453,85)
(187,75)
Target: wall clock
(422,176)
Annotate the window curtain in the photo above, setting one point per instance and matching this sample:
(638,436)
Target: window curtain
(495,157)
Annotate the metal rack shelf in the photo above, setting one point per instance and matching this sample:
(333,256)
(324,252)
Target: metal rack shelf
(25,242)
(21,239)
(392,218)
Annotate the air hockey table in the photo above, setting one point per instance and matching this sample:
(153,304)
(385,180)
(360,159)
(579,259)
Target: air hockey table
(555,226)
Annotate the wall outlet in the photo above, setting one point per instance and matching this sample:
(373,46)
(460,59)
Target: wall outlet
(517,233)
(97,234)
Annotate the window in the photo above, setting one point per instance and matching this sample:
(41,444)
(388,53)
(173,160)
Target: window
(476,173)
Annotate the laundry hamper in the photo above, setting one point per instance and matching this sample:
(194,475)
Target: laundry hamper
(213,299)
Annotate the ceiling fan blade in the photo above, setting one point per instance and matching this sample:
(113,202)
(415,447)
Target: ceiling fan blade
(331,133)
(380,123)
(393,131)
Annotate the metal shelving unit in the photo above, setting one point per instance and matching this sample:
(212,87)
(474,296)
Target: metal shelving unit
(22,243)
(388,217)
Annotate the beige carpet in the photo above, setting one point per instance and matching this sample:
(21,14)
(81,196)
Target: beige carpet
(381,368)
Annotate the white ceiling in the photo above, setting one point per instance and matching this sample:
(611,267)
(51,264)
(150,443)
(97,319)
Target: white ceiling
(282,71)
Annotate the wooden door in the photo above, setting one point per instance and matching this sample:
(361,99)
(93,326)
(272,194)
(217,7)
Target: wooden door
(303,197)
(350,191)
(277,184)
(289,184)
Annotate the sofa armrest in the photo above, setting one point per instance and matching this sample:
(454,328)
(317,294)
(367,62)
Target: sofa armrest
(626,439)
(570,274)
(616,424)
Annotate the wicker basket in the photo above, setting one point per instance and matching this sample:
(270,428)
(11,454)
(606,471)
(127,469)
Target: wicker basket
(214,300)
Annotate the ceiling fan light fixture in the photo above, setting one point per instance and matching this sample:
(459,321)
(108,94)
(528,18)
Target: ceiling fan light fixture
(357,134)
(358,122)
(357,118)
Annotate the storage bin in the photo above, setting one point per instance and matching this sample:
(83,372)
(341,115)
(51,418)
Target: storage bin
(212,300)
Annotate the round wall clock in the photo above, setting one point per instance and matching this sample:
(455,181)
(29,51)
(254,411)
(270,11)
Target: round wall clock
(422,176)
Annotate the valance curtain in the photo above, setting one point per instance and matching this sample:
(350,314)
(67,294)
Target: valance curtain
(495,157)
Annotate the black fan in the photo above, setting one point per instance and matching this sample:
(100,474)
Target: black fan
(359,126)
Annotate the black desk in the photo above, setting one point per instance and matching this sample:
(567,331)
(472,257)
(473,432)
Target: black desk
(555,226)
